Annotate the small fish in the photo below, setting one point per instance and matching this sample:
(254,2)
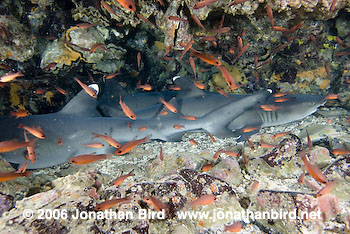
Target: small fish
(222,92)
(35,131)
(108,139)
(128,4)
(237,2)
(158,204)
(217,154)
(270,14)
(94,145)
(221,30)
(313,170)
(309,141)
(141,17)
(193,142)
(208,58)
(31,156)
(235,227)
(270,107)
(280,94)
(249,129)
(61,91)
(203,200)
(19,113)
(283,99)
(331,96)
(111,75)
(23,167)
(87,89)
(241,52)
(144,87)
(59,141)
(130,145)
(244,158)
(231,153)
(186,48)
(280,29)
(333,4)
(193,66)
(188,117)
(228,78)
(178,126)
(138,60)
(168,105)
(10,76)
(85,25)
(281,134)
(175,18)
(326,189)
(203,3)
(110,203)
(207,167)
(108,8)
(340,151)
(121,179)
(239,42)
(49,66)
(87,158)
(96,46)
(197,21)
(4,176)
(164,112)
(142,128)
(211,137)
(199,85)
(128,112)
(161,156)
(301,177)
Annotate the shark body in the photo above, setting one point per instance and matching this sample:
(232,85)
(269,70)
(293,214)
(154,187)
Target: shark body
(78,120)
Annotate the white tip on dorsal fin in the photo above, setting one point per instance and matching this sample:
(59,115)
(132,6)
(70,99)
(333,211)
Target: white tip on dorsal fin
(188,89)
(82,104)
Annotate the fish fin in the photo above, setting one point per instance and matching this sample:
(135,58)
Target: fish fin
(188,89)
(175,137)
(81,105)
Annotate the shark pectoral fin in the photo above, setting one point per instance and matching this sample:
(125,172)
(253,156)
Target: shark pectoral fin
(81,105)
(175,137)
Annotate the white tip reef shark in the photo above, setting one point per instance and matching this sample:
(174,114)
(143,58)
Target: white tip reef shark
(76,123)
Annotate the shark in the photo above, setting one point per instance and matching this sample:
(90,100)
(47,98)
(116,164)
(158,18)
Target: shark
(76,123)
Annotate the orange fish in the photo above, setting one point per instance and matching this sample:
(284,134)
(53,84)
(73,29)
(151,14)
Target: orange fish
(128,112)
(59,141)
(94,145)
(217,154)
(207,167)
(62,91)
(120,179)
(10,76)
(199,85)
(241,52)
(30,150)
(236,226)
(204,200)
(333,4)
(96,46)
(249,129)
(211,137)
(221,30)
(110,203)
(313,170)
(197,21)
(208,58)
(111,75)
(228,78)
(108,8)
(270,107)
(193,142)
(222,92)
(301,178)
(309,141)
(326,189)
(331,96)
(186,48)
(130,145)
(142,128)
(141,17)
(36,131)
(280,94)
(188,117)
(267,146)
(161,156)
(168,105)
(175,18)
(283,99)
(23,167)
(164,112)
(138,60)
(281,134)
(203,3)
(340,151)
(231,153)
(193,66)
(270,14)
(49,66)
(158,204)
(239,42)
(87,158)
(87,89)
(4,176)
(128,4)
(178,126)
(244,158)
(145,87)
(108,139)
(19,113)
(85,25)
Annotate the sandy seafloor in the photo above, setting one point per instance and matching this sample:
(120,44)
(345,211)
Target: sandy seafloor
(178,179)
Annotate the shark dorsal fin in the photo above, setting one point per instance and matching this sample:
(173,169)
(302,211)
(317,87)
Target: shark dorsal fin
(188,89)
(81,105)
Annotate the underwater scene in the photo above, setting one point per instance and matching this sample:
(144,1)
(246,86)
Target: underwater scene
(175,116)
